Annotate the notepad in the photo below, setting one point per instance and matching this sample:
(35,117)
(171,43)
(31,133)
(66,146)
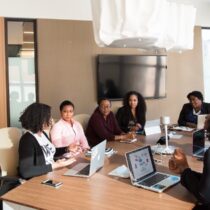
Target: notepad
(182,128)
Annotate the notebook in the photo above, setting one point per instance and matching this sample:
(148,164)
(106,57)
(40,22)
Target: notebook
(199,143)
(201,120)
(96,162)
(143,171)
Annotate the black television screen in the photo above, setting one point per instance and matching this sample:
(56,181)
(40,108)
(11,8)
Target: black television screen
(118,74)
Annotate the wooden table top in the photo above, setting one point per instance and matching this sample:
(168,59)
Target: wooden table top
(102,191)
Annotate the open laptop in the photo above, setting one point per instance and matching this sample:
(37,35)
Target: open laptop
(143,171)
(199,143)
(201,120)
(96,162)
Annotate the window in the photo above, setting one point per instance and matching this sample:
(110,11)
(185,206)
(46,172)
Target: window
(21,67)
(206,62)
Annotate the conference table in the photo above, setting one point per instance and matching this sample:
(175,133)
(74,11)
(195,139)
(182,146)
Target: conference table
(102,191)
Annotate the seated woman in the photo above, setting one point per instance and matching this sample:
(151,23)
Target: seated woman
(190,111)
(67,134)
(36,152)
(197,183)
(132,116)
(103,125)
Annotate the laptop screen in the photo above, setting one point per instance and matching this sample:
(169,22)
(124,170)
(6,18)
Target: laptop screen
(198,141)
(140,163)
(201,121)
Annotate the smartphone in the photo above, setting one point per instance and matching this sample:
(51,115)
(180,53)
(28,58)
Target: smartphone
(52,183)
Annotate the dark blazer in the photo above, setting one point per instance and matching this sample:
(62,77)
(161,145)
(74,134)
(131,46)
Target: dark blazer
(99,129)
(31,158)
(199,183)
(186,114)
(124,115)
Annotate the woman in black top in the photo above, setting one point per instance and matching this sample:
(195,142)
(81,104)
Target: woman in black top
(132,116)
(36,152)
(197,183)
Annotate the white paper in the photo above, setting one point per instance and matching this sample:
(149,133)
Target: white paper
(182,128)
(152,127)
(176,136)
(201,121)
(121,171)
(151,123)
(152,130)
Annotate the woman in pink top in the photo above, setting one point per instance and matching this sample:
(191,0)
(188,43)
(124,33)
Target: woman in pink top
(67,134)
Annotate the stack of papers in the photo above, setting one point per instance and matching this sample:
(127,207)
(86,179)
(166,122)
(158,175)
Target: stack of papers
(182,128)
(173,135)
(121,171)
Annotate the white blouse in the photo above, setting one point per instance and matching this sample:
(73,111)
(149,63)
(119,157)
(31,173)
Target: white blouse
(48,148)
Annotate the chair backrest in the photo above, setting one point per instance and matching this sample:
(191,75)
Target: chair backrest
(9,142)
(82,119)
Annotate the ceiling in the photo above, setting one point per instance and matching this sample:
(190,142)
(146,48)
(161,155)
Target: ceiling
(78,10)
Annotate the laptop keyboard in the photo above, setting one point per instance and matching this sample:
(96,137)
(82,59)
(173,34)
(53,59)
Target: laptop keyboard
(154,179)
(85,170)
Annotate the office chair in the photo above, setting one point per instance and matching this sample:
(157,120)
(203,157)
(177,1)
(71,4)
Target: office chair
(9,142)
(82,119)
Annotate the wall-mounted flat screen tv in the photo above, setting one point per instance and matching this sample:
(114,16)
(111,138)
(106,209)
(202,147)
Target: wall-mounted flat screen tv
(118,74)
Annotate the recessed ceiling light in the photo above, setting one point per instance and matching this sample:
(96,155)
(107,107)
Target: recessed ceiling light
(28,32)
(31,42)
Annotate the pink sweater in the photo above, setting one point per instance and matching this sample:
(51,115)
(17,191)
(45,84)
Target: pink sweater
(63,134)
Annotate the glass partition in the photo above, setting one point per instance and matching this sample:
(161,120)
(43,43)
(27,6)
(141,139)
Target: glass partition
(21,66)
(206,62)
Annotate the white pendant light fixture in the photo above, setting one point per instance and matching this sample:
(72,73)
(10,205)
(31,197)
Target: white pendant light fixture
(144,24)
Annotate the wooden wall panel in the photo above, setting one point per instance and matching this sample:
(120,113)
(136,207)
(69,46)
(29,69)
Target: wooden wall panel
(3,99)
(67,69)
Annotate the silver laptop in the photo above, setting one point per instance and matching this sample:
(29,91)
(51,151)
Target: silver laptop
(201,121)
(96,162)
(199,143)
(143,171)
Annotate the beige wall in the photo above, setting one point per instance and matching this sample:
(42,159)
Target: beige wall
(3,103)
(67,69)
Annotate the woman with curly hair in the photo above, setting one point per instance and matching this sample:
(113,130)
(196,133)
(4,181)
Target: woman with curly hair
(132,116)
(36,152)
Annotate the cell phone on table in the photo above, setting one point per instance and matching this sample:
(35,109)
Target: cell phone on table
(52,183)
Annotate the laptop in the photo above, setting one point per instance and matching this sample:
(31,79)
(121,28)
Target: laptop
(201,120)
(143,171)
(199,143)
(96,162)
